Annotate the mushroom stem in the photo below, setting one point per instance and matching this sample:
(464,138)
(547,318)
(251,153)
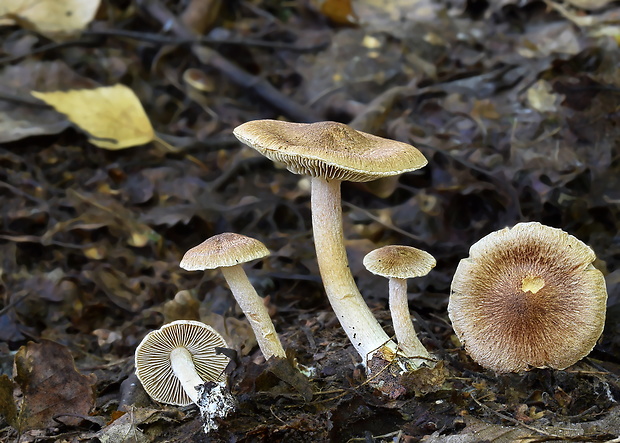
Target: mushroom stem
(255,311)
(354,315)
(406,336)
(184,369)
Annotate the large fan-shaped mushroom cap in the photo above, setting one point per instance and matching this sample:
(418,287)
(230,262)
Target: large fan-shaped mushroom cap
(528,297)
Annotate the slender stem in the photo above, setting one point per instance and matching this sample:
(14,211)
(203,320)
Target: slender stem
(184,369)
(255,311)
(356,319)
(406,336)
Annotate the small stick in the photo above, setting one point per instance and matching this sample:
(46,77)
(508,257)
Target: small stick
(212,58)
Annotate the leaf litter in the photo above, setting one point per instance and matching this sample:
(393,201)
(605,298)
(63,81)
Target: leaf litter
(515,104)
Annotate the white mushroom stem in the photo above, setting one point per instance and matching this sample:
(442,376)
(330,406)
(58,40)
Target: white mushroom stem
(255,311)
(184,369)
(354,315)
(408,340)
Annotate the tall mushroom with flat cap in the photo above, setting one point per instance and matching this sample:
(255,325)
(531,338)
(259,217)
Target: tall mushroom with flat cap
(228,251)
(177,364)
(398,263)
(329,153)
(528,297)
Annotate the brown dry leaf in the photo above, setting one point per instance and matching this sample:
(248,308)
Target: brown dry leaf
(112,116)
(56,19)
(8,410)
(339,12)
(127,427)
(589,4)
(23,116)
(51,386)
(540,96)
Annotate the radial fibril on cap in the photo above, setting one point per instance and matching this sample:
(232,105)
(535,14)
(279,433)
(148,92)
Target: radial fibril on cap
(528,297)
(223,250)
(396,261)
(154,365)
(329,149)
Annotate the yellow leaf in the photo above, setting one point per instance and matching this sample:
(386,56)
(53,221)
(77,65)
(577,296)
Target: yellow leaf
(56,19)
(112,116)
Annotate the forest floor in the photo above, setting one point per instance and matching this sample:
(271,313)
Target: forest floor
(515,104)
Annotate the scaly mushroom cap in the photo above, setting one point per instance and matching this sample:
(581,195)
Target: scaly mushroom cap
(528,297)
(223,250)
(153,366)
(397,261)
(330,150)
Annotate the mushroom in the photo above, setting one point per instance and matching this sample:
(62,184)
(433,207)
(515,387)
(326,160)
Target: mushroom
(398,263)
(329,153)
(174,361)
(528,297)
(227,252)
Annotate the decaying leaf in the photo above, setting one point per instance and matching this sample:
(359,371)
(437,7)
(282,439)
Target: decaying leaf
(130,426)
(24,117)
(589,4)
(8,410)
(111,115)
(51,386)
(540,96)
(56,19)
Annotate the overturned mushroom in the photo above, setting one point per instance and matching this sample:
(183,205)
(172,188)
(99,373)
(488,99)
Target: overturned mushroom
(398,263)
(528,297)
(174,362)
(331,152)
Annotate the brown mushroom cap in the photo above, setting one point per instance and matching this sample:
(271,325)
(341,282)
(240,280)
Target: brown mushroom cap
(397,261)
(330,150)
(528,297)
(223,250)
(153,366)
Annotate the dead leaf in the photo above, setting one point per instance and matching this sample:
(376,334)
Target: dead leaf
(7,404)
(540,96)
(339,12)
(24,117)
(589,4)
(112,116)
(51,386)
(56,19)
(128,426)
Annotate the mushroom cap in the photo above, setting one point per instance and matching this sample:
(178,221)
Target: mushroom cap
(223,250)
(330,150)
(528,297)
(153,366)
(395,261)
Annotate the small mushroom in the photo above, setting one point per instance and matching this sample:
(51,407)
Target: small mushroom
(174,361)
(398,263)
(329,153)
(528,297)
(228,252)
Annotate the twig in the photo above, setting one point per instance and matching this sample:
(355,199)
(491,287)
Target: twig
(175,41)
(237,75)
(387,225)
(509,418)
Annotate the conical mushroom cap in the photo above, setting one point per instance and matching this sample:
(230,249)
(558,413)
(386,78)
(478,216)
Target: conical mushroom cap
(153,366)
(528,297)
(223,250)
(396,261)
(330,150)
